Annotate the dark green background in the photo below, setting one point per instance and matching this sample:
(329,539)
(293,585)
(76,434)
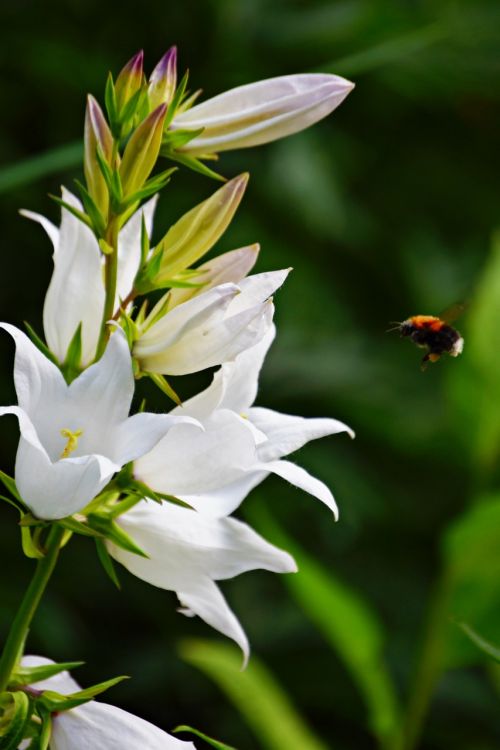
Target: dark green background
(384,210)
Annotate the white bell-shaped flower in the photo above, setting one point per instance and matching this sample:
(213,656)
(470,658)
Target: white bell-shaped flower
(75,437)
(99,725)
(261,112)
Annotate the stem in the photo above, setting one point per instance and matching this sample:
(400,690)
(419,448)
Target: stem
(110,277)
(125,303)
(22,621)
(429,667)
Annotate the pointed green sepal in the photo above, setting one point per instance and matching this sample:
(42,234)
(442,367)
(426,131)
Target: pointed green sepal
(209,740)
(111,104)
(40,344)
(15,714)
(107,562)
(93,212)
(177,98)
(10,485)
(72,365)
(114,533)
(76,213)
(78,527)
(30,675)
(52,701)
(29,541)
(191,162)
(164,385)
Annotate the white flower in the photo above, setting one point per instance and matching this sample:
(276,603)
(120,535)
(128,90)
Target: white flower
(99,725)
(76,290)
(211,328)
(240,446)
(187,552)
(74,438)
(262,112)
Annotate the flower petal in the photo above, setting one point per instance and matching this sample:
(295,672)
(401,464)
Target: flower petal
(100,725)
(206,600)
(286,433)
(224,500)
(303,480)
(56,490)
(104,391)
(196,312)
(257,289)
(40,386)
(263,111)
(76,290)
(190,461)
(229,267)
(129,248)
(140,433)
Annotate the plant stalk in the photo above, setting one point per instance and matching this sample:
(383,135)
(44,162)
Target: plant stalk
(22,621)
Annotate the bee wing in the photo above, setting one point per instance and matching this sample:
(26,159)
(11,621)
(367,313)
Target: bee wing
(454,311)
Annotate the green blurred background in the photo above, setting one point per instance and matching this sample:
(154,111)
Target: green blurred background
(384,210)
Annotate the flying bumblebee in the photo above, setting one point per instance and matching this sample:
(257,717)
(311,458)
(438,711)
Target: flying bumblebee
(434,334)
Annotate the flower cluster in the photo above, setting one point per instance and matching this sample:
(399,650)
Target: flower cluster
(156,491)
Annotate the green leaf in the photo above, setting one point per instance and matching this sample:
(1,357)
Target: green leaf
(107,562)
(42,165)
(210,740)
(30,675)
(471,551)
(483,645)
(348,624)
(15,708)
(40,344)
(261,701)
(52,701)
(474,385)
(111,104)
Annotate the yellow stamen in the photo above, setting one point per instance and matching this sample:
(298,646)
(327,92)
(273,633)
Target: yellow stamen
(72,438)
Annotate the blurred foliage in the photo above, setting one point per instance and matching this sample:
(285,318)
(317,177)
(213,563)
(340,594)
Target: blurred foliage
(384,210)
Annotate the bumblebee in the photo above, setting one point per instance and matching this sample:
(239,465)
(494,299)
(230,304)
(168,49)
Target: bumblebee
(434,334)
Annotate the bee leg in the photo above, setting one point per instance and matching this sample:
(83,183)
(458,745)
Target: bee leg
(424,362)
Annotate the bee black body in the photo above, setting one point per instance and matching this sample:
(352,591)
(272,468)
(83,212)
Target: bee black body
(433,334)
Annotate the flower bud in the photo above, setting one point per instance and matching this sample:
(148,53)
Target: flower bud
(129,80)
(198,230)
(262,112)
(96,135)
(227,268)
(142,151)
(163,79)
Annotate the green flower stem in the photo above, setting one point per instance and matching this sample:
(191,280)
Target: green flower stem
(110,277)
(20,626)
(430,664)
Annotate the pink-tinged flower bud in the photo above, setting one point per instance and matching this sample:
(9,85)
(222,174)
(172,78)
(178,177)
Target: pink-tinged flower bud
(163,79)
(199,229)
(142,151)
(129,80)
(96,135)
(262,112)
